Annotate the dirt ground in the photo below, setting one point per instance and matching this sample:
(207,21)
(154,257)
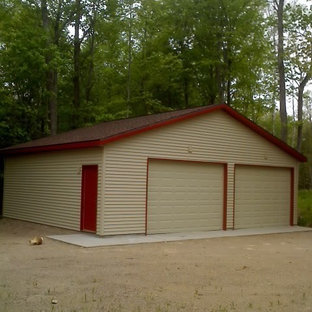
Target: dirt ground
(255,273)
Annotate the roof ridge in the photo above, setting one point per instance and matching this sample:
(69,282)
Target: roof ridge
(67,133)
(113,130)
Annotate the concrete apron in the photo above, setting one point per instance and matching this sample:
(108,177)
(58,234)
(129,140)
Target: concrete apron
(92,240)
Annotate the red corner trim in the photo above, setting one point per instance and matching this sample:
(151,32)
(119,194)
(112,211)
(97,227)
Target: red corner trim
(248,123)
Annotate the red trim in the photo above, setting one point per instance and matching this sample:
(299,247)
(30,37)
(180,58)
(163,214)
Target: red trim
(225,184)
(51,148)
(292,196)
(188,161)
(292,188)
(129,133)
(262,166)
(191,161)
(146,195)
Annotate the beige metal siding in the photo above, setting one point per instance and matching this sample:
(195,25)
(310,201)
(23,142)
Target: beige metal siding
(296,182)
(184,197)
(46,187)
(262,196)
(215,137)
(230,196)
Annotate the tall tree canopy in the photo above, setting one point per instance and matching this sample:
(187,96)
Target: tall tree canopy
(70,63)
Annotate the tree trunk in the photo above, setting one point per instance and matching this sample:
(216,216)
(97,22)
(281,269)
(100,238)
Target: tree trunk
(90,80)
(51,75)
(89,85)
(220,86)
(228,92)
(281,70)
(186,92)
(76,77)
(227,69)
(300,105)
(129,59)
(52,87)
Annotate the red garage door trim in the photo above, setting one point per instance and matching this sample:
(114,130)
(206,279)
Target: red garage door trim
(292,189)
(225,181)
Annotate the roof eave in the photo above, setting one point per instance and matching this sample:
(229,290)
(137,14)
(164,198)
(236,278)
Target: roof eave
(100,142)
(274,140)
(52,148)
(87,144)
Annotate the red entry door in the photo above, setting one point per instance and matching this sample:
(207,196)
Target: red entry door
(89,198)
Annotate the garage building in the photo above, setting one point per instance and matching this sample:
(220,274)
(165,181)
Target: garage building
(198,169)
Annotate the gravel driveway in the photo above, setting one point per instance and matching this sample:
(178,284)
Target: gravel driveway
(254,273)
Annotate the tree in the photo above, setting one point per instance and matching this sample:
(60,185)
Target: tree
(53,23)
(230,56)
(279,6)
(305,180)
(76,59)
(299,55)
(22,49)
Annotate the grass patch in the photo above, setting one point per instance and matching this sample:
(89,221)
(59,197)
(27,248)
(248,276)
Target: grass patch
(305,208)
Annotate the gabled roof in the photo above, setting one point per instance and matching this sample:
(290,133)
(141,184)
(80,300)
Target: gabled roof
(110,131)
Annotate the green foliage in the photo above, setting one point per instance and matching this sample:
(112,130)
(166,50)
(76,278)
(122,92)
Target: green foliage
(22,75)
(305,181)
(298,24)
(305,208)
(169,54)
(183,54)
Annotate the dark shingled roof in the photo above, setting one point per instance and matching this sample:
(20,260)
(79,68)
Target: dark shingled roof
(105,130)
(109,131)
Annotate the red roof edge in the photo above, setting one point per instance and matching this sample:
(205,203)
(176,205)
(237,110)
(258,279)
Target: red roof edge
(51,148)
(245,121)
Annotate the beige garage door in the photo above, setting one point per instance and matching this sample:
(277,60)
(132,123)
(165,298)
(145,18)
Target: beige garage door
(262,196)
(184,197)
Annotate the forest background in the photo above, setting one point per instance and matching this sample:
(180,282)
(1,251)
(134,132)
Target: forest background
(66,64)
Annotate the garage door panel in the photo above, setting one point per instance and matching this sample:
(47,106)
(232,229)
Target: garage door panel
(262,196)
(185,217)
(184,208)
(184,196)
(175,226)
